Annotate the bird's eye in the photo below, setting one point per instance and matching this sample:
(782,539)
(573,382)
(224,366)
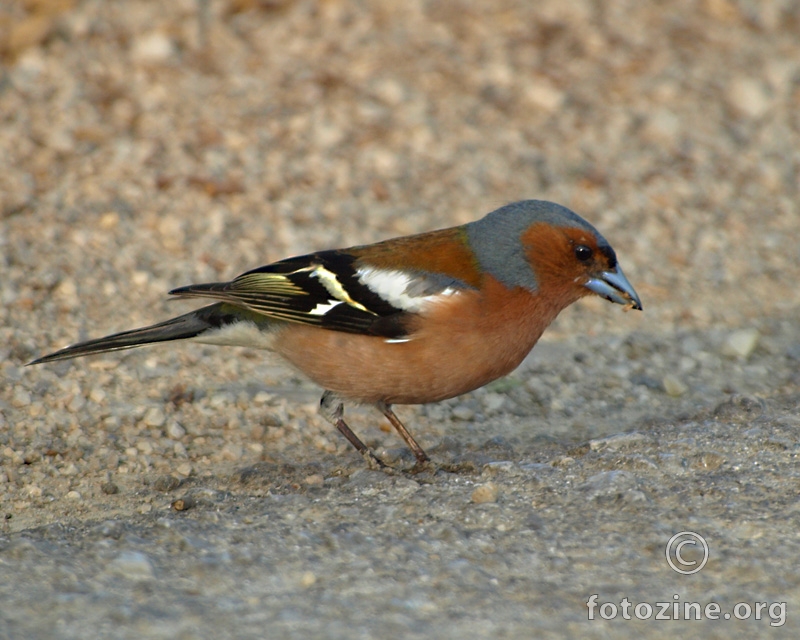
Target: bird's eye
(583,253)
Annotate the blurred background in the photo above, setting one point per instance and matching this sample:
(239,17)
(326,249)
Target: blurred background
(146,145)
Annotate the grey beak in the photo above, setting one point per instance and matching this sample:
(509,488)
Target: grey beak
(614,287)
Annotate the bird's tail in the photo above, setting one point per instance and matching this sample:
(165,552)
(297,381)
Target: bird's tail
(190,325)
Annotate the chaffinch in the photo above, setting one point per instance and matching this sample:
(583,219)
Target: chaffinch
(410,320)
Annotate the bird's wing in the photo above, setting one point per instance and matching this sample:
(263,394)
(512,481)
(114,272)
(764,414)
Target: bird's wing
(333,290)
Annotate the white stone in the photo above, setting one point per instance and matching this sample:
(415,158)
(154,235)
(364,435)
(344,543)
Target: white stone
(674,386)
(132,565)
(741,343)
(541,93)
(749,97)
(153,47)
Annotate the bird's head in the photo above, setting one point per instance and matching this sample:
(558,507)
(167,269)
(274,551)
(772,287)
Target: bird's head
(540,245)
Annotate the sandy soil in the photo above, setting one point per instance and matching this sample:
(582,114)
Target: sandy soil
(148,145)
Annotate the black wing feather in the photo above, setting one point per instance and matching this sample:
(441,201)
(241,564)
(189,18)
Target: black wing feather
(321,289)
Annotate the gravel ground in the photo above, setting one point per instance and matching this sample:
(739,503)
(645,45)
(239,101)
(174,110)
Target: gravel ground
(192,492)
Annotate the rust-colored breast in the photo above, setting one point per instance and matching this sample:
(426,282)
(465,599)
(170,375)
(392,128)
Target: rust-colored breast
(463,343)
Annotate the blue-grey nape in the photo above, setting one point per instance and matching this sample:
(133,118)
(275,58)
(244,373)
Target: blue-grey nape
(495,238)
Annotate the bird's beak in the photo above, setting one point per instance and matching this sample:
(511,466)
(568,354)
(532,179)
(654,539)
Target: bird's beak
(614,287)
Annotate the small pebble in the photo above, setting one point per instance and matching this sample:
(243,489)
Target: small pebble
(175,430)
(67,289)
(708,461)
(563,461)
(109,220)
(619,441)
(741,343)
(749,96)
(69,470)
(153,47)
(185,503)
(315,479)
(231,452)
(154,417)
(109,488)
(485,493)
(21,398)
(133,565)
(544,95)
(308,579)
(73,495)
(145,446)
(220,400)
(76,404)
(662,126)
(492,402)
(184,469)
(463,412)
(673,385)
(166,483)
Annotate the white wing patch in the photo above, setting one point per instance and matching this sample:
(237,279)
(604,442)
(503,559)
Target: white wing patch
(323,307)
(331,283)
(402,290)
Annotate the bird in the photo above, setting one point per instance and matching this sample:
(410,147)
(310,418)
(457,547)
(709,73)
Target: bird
(410,320)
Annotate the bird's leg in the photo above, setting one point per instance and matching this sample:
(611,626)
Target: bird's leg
(333,411)
(419,453)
